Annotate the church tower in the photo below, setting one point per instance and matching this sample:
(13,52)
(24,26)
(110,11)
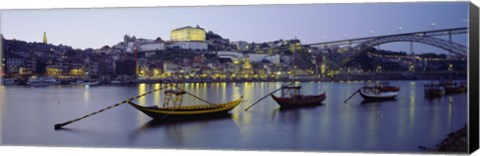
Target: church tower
(45,37)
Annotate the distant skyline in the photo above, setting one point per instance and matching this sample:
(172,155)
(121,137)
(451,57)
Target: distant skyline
(94,28)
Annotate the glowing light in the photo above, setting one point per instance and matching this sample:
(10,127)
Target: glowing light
(188,34)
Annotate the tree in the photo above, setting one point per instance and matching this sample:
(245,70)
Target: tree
(212,35)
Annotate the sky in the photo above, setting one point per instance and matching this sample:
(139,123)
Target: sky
(313,23)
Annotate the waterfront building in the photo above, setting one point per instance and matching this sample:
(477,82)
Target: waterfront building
(13,64)
(54,70)
(169,67)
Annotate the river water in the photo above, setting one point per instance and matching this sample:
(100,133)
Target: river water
(29,113)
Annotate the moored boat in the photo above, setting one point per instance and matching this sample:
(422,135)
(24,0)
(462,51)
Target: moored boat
(116,82)
(173,97)
(85,82)
(42,81)
(8,81)
(300,100)
(376,94)
(453,87)
(187,112)
(433,90)
(291,98)
(456,89)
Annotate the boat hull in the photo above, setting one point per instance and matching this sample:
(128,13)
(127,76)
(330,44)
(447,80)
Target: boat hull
(40,84)
(187,112)
(301,101)
(85,83)
(433,93)
(383,96)
(454,90)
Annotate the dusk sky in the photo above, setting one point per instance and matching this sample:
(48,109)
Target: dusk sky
(94,28)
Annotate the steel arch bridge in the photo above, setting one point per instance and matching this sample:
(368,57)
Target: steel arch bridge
(425,37)
(455,48)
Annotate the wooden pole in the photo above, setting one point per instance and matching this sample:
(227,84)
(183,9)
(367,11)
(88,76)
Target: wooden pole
(60,125)
(351,96)
(265,97)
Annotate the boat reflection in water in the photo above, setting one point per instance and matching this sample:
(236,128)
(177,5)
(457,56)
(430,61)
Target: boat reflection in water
(399,125)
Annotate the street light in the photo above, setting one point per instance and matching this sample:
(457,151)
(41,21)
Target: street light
(400,29)
(433,25)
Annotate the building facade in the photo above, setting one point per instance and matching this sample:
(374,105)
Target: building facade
(192,45)
(191,38)
(151,47)
(188,33)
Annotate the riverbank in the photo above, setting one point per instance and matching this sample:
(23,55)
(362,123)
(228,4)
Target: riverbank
(456,142)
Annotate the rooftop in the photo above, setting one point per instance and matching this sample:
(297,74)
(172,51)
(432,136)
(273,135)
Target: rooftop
(186,27)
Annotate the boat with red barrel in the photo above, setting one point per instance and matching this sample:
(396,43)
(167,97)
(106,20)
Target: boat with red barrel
(291,98)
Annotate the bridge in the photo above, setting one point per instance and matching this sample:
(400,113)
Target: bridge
(357,45)
(425,37)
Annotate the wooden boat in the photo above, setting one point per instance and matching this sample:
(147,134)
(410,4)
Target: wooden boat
(85,82)
(42,81)
(375,94)
(8,81)
(385,87)
(291,98)
(453,88)
(187,112)
(300,100)
(433,90)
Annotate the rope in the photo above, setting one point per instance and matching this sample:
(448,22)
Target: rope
(267,96)
(199,98)
(58,126)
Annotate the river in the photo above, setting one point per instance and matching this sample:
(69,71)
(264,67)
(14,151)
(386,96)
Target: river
(29,113)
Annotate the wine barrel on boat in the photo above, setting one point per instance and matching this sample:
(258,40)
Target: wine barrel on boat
(291,98)
(173,108)
(300,100)
(386,87)
(186,112)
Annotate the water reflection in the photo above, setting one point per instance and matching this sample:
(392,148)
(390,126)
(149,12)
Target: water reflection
(412,104)
(398,125)
(450,111)
(86,95)
(374,114)
(180,133)
(3,102)
(142,88)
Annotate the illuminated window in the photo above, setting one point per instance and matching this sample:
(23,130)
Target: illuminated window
(188,34)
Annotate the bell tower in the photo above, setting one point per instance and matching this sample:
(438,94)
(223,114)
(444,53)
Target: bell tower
(45,37)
